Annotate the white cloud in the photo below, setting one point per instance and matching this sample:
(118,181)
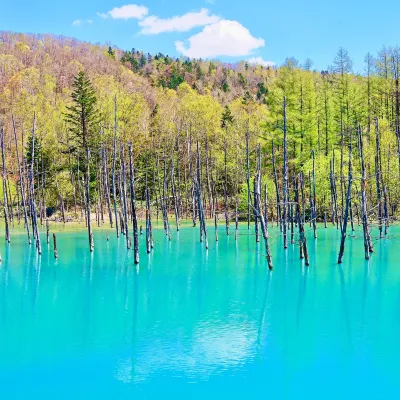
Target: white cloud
(129,11)
(79,22)
(102,15)
(179,23)
(260,61)
(223,38)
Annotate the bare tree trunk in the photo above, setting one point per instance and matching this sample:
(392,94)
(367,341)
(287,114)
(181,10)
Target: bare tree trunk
(106,184)
(203,229)
(285,177)
(133,207)
(258,163)
(47,231)
(278,201)
(300,224)
(175,197)
(21,182)
(314,197)
(348,205)
(178,170)
(226,190)
(113,167)
(124,202)
(215,213)
(264,226)
(4,176)
(32,193)
(378,178)
(367,239)
(164,203)
(55,246)
(209,190)
(248,174)
(87,192)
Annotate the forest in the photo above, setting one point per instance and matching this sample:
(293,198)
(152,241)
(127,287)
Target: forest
(94,133)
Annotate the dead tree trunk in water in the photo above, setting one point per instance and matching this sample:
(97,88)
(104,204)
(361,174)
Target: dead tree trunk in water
(348,205)
(149,227)
(266,205)
(133,207)
(314,197)
(87,192)
(278,200)
(285,177)
(215,210)
(164,203)
(300,223)
(55,246)
(334,194)
(226,190)
(47,231)
(236,213)
(248,175)
(209,189)
(32,192)
(203,228)
(124,201)
(106,185)
(21,182)
(264,226)
(258,163)
(378,178)
(367,239)
(114,194)
(4,176)
(174,196)
(291,219)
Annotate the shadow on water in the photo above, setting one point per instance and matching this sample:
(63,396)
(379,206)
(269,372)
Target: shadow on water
(263,312)
(364,296)
(302,294)
(134,321)
(345,304)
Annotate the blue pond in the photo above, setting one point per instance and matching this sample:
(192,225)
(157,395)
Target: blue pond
(190,323)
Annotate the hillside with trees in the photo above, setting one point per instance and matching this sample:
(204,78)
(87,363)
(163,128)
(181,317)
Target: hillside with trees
(174,117)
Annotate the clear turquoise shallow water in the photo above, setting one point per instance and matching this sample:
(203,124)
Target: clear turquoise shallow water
(189,323)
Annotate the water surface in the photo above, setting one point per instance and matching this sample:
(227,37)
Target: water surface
(189,323)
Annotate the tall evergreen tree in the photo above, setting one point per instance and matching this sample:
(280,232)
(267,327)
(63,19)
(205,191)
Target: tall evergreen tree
(82,120)
(82,116)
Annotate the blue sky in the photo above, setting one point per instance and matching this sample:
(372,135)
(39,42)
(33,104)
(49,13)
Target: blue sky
(261,30)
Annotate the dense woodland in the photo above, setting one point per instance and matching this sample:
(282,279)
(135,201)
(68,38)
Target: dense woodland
(108,136)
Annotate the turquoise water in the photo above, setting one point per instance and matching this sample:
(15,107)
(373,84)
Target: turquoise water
(189,324)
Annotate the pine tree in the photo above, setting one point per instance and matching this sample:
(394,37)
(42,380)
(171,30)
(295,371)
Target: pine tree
(225,86)
(227,117)
(82,120)
(82,116)
(142,61)
(111,52)
(247,98)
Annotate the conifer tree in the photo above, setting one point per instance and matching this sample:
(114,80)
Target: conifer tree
(82,119)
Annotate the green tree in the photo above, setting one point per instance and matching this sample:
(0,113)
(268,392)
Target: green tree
(142,61)
(82,119)
(176,78)
(225,86)
(111,52)
(226,118)
(82,116)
